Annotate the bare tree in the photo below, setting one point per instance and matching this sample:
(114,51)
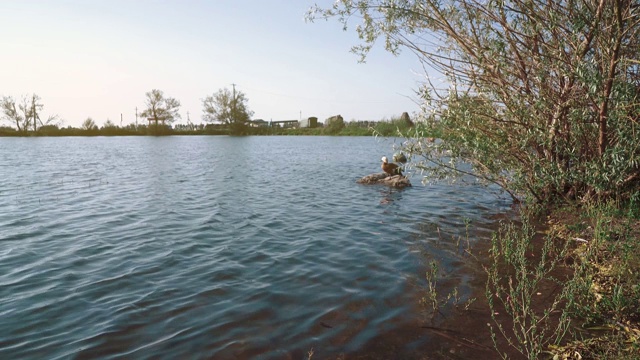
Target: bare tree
(14,114)
(26,113)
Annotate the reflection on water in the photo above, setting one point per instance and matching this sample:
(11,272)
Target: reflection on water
(215,247)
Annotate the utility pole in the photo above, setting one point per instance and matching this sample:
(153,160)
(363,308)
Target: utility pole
(35,113)
(234,102)
(120,119)
(136,118)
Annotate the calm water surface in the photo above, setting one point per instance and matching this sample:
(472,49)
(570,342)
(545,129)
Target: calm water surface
(216,247)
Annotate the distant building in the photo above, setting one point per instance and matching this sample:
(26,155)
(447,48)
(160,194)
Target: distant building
(334,119)
(156,120)
(159,122)
(311,122)
(258,123)
(285,123)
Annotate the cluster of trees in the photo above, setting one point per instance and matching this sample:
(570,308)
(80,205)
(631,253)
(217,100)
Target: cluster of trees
(224,107)
(226,111)
(541,98)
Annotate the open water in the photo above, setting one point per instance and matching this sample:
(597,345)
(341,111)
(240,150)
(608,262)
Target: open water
(217,247)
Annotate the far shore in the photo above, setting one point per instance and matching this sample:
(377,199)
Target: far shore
(381,128)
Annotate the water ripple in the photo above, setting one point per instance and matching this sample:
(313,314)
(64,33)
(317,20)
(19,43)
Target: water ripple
(214,247)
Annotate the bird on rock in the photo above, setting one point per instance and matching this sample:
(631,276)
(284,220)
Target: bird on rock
(390,168)
(400,157)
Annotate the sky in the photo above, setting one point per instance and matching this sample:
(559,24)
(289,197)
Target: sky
(98,58)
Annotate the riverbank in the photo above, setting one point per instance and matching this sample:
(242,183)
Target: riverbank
(557,283)
(144,131)
(391,127)
(603,297)
(562,285)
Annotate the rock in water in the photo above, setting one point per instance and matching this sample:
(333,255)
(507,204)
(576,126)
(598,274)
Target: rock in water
(396,181)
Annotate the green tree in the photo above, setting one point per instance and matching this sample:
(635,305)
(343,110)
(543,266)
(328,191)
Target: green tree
(542,97)
(228,108)
(160,108)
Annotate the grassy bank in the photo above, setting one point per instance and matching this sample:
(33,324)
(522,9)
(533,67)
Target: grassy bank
(571,291)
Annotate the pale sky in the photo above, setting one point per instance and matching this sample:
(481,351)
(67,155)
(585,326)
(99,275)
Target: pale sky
(98,58)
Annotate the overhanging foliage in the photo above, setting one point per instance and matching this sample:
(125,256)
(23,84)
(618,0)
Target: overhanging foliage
(542,97)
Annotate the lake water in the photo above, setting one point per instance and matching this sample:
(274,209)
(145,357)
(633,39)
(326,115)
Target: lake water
(218,247)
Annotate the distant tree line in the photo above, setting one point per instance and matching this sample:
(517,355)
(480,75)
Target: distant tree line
(224,107)
(387,128)
(226,112)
